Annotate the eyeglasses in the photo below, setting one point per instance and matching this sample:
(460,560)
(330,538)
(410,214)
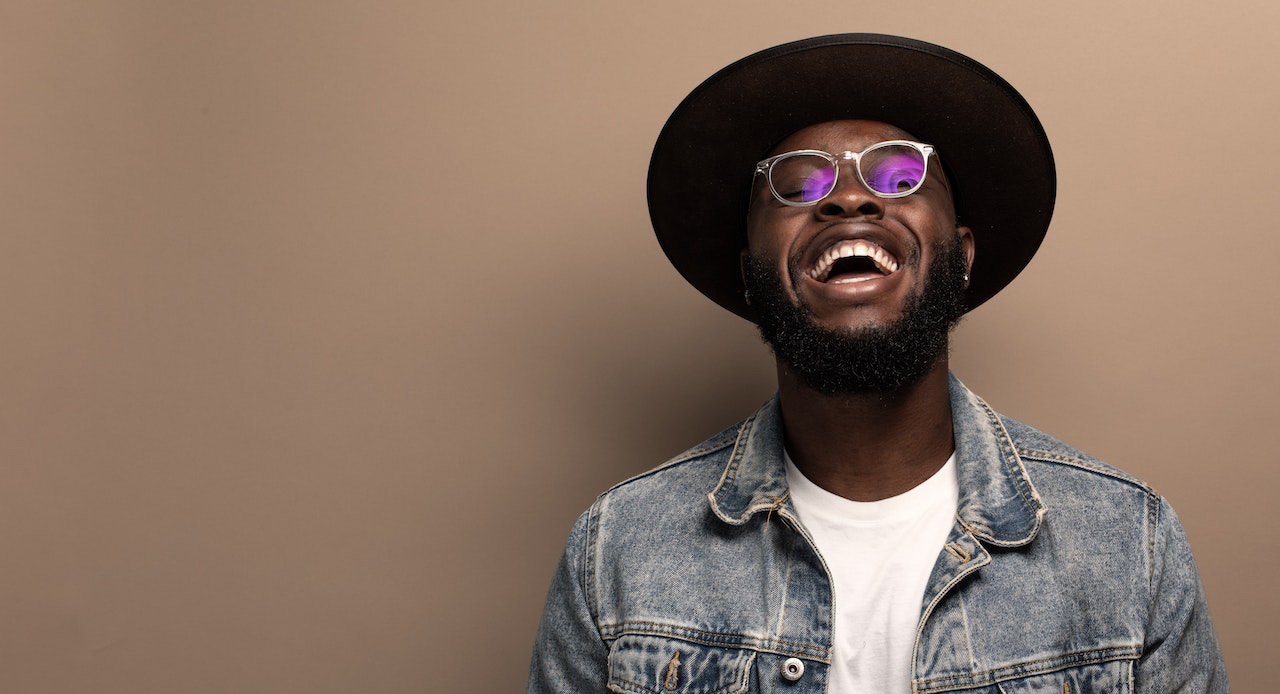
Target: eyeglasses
(891,169)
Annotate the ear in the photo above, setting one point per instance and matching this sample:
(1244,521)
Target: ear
(966,245)
(742,274)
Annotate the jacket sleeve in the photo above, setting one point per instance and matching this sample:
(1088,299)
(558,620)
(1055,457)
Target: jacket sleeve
(569,655)
(1180,652)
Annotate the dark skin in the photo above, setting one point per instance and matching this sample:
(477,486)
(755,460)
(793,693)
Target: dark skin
(863,447)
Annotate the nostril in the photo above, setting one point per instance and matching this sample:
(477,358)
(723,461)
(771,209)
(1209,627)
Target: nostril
(846,206)
(834,208)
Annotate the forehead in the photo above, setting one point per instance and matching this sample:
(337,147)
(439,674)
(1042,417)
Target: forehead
(841,135)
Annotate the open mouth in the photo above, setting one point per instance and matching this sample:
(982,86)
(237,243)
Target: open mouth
(853,260)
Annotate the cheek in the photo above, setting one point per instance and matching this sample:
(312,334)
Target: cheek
(771,232)
(759,234)
(933,226)
(754,234)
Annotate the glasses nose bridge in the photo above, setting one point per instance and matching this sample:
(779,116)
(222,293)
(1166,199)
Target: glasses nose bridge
(851,177)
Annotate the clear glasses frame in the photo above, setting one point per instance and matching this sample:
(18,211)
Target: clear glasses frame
(765,167)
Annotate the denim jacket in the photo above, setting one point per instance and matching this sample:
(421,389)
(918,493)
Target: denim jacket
(1061,574)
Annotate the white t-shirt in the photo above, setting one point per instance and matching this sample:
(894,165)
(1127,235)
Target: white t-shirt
(880,555)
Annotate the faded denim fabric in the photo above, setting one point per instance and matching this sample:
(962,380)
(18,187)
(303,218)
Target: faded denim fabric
(698,577)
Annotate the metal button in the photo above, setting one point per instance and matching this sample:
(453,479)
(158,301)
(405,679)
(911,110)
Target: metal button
(792,669)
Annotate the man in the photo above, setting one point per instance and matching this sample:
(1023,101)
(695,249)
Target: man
(875,527)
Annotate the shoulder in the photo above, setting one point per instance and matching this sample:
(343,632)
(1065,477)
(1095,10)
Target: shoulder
(684,478)
(1049,456)
(1085,496)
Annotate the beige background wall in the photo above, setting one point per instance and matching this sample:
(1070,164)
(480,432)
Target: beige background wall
(322,321)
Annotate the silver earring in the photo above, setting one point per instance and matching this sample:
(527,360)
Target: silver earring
(966,277)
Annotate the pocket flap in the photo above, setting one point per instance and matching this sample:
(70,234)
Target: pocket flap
(658,665)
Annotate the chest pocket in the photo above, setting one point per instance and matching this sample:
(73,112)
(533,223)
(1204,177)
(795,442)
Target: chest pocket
(656,665)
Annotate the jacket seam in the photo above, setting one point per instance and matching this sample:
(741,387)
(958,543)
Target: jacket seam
(927,612)
(786,586)
(730,474)
(589,567)
(1033,667)
(621,684)
(1153,535)
(1012,461)
(731,469)
(964,623)
(700,451)
(1019,475)
(1083,464)
(717,639)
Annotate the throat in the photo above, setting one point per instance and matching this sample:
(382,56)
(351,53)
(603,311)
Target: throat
(872,446)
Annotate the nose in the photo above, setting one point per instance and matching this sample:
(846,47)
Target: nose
(850,198)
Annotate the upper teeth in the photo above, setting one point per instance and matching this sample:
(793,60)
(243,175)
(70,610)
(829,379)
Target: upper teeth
(848,249)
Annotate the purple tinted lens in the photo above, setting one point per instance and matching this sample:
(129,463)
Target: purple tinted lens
(893,169)
(817,184)
(802,178)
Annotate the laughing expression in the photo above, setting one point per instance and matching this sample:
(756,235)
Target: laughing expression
(853,260)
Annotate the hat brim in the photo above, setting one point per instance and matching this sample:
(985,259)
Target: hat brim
(993,147)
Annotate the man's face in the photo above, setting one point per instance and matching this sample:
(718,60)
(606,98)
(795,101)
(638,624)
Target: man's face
(882,316)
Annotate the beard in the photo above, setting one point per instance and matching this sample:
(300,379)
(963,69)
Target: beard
(876,359)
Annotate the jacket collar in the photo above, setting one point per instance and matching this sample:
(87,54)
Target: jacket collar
(997,501)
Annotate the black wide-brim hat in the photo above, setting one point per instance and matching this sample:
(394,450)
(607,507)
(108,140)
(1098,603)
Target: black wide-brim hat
(992,146)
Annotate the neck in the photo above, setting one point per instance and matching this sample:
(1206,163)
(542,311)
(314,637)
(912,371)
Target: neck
(873,446)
